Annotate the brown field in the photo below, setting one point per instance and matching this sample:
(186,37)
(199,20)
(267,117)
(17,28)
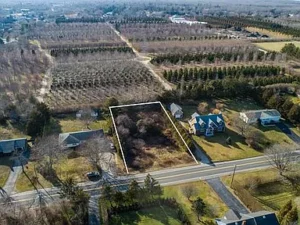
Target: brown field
(148,138)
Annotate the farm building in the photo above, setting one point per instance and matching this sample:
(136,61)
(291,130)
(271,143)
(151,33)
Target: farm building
(11,145)
(265,116)
(74,139)
(207,125)
(176,111)
(257,218)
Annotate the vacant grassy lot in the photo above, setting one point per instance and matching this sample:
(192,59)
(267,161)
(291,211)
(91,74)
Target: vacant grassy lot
(268,32)
(216,147)
(266,186)
(215,206)
(75,168)
(275,46)
(5,165)
(153,216)
(10,132)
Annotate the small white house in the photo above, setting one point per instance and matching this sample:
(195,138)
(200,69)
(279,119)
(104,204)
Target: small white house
(176,111)
(265,116)
(94,114)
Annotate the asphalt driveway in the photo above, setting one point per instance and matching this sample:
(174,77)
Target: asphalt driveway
(291,134)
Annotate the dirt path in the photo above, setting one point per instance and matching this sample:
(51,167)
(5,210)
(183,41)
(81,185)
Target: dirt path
(46,79)
(142,59)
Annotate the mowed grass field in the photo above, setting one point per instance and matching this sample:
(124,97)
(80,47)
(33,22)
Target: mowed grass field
(168,216)
(153,216)
(266,186)
(216,147)
(215,207)
(275,46)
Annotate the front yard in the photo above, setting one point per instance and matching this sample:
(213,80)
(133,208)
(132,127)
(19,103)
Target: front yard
(266,187)
(216,147)
(75,168)
(5,165)
(215,207)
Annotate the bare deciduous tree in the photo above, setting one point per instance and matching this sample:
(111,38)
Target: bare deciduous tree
(281,157)
(97,151)
(240,125)
(189,191)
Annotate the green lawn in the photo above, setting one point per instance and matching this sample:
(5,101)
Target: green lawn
(153,216)
(275,46)
(72,125)
(75,168)
(216,146)
(5,165)
(216,208)
(268,189)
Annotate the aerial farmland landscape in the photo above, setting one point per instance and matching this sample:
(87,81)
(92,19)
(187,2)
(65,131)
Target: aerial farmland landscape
(150,113)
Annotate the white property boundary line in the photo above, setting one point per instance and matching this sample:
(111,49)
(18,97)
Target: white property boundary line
(141,104)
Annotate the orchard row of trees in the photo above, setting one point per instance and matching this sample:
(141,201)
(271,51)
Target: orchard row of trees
(76,51)
(291,50)
(79,20)
(252,22)
(181,38)
(211,57)
(220,73)
(139,20)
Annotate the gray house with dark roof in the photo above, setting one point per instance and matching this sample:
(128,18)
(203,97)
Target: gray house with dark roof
(74,139)
(206,125)
(265,116)
(258,218)
(11,145)
(176,111)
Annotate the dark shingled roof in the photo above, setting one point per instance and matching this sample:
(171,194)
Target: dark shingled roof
(8,146)
(75,138)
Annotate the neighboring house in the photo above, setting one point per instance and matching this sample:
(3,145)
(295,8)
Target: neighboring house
(207,125)
(176,111)
(11,145)
(94,114)
(258,218)
(74,139)
(265,116)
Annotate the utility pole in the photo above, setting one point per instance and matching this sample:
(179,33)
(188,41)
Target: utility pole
(234,169)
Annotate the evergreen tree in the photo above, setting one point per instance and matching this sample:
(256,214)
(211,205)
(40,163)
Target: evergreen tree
(199,207)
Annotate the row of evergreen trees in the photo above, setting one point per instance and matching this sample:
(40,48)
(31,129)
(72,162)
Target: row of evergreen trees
(221,72)
(252,22)
(291,50)
(79,20)
(76,51)
(210,57)
(180,38)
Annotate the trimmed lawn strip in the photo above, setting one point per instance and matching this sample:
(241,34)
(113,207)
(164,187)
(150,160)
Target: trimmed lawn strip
(216,208)
(73,125)
(152,216)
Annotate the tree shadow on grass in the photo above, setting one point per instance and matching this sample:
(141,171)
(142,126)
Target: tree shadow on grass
(161,214)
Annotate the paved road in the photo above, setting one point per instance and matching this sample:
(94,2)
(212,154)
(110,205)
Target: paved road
(227,197)
(165,177)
